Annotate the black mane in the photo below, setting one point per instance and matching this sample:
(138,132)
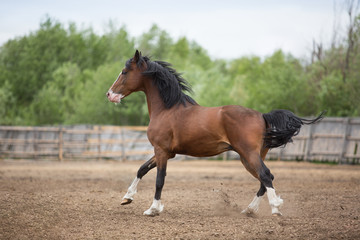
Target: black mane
(169,82)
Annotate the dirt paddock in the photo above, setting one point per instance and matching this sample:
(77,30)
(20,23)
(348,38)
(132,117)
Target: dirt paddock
(203,200)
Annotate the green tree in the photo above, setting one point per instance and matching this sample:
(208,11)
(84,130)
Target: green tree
(7,103)
(155,43)
(116,44)
(55,102)
(93,105)
(334,73)
(278,82)
(59,75)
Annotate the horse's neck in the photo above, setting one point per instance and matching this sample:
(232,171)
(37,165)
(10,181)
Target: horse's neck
(153,99)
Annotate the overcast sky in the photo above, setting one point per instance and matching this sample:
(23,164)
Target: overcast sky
(225,28)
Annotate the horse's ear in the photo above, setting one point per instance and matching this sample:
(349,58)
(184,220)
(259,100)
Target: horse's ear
(137,56)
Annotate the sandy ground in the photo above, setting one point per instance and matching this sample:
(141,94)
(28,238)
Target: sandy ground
(203,200)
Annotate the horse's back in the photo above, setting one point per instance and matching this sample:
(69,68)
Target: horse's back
(218,119)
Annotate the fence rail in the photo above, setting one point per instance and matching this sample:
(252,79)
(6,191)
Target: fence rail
(332,140)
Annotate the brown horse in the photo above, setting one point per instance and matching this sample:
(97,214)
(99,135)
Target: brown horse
(178,125)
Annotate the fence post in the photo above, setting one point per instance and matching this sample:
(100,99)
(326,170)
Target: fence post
(123,154)
(60,144)
(99,128)
(35,145)
(309,143)
(280,155)
(342,157)
(225,156)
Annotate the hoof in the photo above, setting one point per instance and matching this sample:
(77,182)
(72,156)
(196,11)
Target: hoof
(151,213)
(154,211)
(250,214)
(248,211)
(126,201)
(278,214)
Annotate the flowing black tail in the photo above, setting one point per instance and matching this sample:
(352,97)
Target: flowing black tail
(282,125)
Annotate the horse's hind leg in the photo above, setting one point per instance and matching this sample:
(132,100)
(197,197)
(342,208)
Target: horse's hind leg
(274,200)
(144,169)
(254,205)
(275,204)
(255,165)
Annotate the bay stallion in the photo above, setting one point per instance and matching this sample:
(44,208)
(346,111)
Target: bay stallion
(178,125)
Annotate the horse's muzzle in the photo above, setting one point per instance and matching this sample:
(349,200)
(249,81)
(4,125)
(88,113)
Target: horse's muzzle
(114,97)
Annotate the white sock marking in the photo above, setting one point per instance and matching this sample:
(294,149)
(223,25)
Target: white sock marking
(155,209)
(274,201)
(254,205)
(132,189)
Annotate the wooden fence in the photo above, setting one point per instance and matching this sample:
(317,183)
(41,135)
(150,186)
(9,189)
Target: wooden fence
(332,140)
(74,142)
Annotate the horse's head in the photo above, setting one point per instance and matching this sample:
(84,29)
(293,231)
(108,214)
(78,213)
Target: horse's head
(129,79)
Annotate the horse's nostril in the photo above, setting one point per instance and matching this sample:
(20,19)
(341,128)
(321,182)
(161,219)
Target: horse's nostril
(107,94)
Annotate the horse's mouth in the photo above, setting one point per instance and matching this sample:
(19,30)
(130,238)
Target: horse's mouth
(114,97)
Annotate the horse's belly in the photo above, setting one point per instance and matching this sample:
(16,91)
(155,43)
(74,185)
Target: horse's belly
(205,149)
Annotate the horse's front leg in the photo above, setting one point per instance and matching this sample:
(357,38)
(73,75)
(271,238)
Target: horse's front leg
(156,207)
(144,169)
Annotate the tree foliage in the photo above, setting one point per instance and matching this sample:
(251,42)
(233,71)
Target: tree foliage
(59,75)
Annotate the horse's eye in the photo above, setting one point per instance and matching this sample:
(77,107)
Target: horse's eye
(123,72)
